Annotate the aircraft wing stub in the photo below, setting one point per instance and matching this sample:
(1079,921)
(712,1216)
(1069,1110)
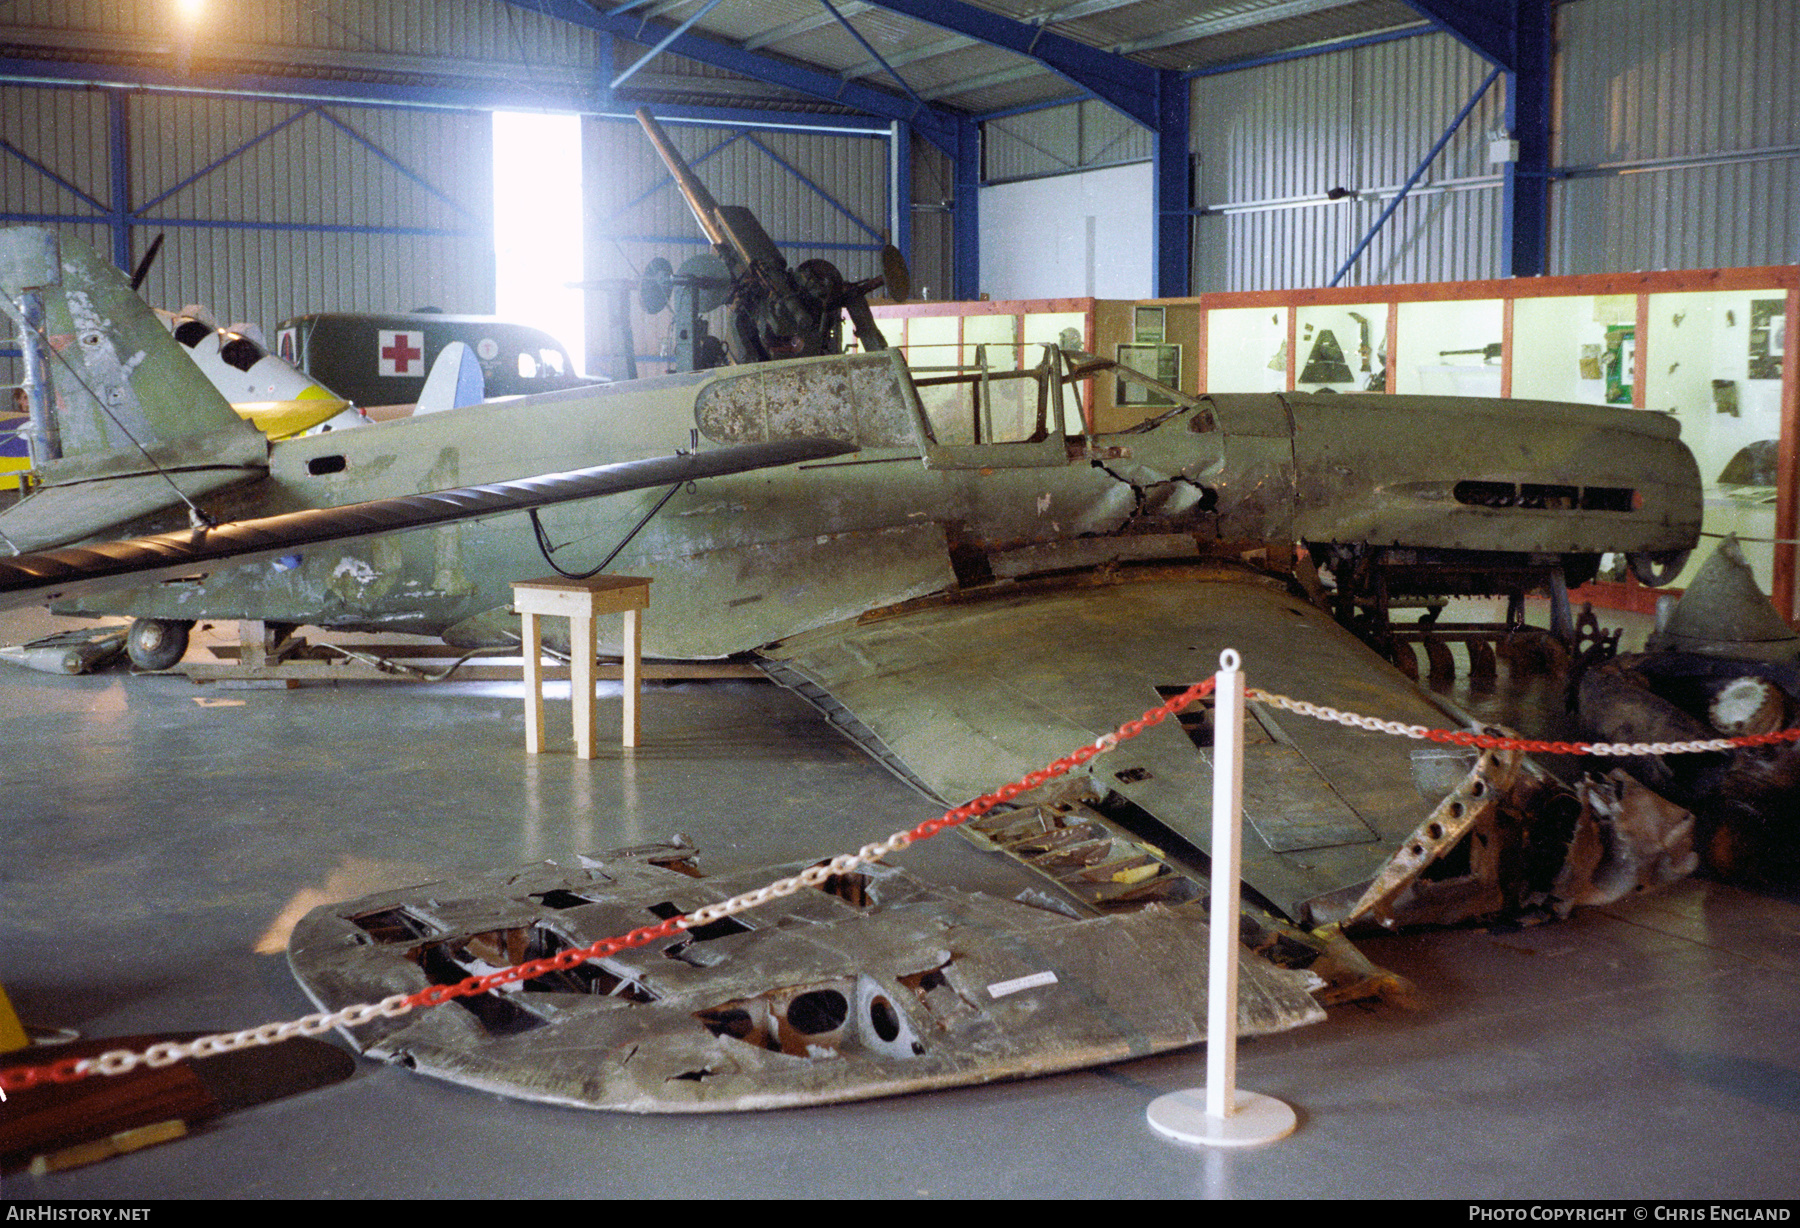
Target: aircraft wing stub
(32,578)
(874,983)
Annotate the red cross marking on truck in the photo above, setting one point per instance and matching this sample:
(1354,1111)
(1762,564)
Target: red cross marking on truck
(399,352)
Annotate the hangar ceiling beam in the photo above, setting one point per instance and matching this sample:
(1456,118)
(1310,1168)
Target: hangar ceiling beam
(933,123)
(930,51)
(1490,30)
(1225,23)
(1113,79)
(1518,37)
(1158,99)
(70,75)
(867,46)
(803,25)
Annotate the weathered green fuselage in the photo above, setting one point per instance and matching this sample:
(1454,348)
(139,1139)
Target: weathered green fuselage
(744,560)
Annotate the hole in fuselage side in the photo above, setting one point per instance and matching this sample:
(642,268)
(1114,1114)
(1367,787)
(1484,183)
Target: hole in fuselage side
(822,1010)
(883,1018)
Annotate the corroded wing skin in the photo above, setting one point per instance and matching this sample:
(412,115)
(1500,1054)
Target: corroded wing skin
(59,574)
(873,985)
(967,693)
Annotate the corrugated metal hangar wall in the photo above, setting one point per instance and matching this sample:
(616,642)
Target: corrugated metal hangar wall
(1273,141)
(267,208)
(1680,130)
(271,208)
(1677,146)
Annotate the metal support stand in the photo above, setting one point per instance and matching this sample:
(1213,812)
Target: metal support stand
(1220,1115)
(264,645)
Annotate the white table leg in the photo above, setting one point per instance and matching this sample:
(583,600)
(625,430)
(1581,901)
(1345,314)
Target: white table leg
(631,682)
(581,683)
(532,641)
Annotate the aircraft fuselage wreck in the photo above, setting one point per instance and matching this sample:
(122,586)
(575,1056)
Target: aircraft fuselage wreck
(952,567)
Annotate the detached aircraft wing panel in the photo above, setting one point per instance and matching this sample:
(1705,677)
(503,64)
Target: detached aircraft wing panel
(968,695)
(877,984)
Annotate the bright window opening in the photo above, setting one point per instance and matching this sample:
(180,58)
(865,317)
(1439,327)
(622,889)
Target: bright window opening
(537,224)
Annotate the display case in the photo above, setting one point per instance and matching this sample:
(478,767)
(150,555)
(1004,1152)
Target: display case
(1714,360)
(1247,349)
(1580,348)
(1453,348)
(1341,348)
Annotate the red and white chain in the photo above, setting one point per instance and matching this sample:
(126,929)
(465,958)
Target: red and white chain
(1486,741)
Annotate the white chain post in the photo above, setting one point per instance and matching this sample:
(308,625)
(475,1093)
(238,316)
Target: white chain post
(1221,1115)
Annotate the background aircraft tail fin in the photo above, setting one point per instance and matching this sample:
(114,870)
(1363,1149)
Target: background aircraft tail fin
(122,385)
(455,380)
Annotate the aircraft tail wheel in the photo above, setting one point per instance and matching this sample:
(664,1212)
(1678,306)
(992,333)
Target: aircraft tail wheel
(157,643)
(1656,568)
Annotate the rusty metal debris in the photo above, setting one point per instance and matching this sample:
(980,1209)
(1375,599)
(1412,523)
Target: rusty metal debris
(1091,857)
(1722,662)
(1626,840)
(1466,814)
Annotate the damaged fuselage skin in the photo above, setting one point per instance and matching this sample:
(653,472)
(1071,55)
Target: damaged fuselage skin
(749,559)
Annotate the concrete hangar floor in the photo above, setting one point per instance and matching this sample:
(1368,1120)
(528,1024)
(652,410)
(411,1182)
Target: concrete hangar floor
(160,835)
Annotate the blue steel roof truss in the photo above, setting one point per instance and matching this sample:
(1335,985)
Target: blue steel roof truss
(692,240)
(121,217)
(1119,82)
(1514,36)
(1518,38)
(933,123)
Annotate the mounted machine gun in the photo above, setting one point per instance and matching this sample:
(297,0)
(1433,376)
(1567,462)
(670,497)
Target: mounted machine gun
(774,311)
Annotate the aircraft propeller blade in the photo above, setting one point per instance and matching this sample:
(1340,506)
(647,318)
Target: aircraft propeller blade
(144,266)
(30,579)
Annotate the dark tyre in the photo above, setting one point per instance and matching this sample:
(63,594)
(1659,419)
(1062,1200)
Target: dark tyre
(1656,568)
(157,643)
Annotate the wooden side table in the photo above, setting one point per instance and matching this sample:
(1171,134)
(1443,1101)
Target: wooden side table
(581,602)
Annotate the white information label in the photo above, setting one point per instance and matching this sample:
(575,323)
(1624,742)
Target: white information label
(1000,989)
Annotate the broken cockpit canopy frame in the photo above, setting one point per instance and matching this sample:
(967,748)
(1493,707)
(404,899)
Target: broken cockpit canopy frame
(873,984)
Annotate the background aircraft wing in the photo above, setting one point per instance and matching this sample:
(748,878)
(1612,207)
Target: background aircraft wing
(962,696)
(29,579)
